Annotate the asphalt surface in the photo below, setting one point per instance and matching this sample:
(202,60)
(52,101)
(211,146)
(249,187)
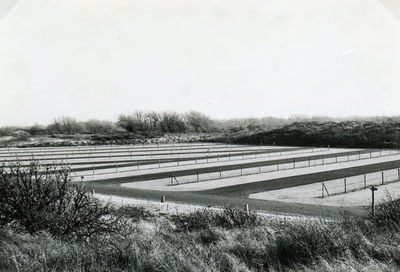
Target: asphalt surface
(237,195)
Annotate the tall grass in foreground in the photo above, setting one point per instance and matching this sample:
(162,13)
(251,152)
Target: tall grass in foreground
(208,240)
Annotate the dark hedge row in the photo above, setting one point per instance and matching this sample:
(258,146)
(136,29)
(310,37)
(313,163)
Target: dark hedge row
(335,134)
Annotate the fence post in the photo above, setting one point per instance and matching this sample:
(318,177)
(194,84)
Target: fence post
(324,189)
(309,162)
(220,173)
(138,165)
(323,162)
(259,168)
(336,158)
(93,169)
(373,189)
(383,180)
(365,181)
(116,167)
(345,186)
(198,179)
(246,208)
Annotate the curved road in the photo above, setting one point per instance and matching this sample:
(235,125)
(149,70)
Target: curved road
(237,195)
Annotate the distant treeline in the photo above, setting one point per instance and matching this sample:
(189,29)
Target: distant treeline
(148,121)
(352,134)
(298,130)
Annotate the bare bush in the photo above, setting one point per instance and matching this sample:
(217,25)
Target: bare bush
(40,197)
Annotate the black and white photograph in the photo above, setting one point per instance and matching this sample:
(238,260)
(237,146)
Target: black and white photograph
(200,135)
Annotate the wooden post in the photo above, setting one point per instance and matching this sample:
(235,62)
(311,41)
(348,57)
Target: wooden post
(345,186)
(197,172)
(309,162)
(162,199)
(138,165)
(336,158)
(116,167)
(365,181)
(220,173)
(277,165)
(259,168)
(93,169)
(323,162)
(246,208)
(383,180)
(324,190)
(373,189)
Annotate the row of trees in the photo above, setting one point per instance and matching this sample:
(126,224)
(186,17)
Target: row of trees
(148,121)
(173,122)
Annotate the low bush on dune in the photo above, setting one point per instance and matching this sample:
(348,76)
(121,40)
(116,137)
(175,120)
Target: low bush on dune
(38,197)
(48,224)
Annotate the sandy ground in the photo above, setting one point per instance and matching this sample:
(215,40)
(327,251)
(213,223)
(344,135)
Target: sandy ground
(190,165)
(164,184)
(306,195)
(171,208)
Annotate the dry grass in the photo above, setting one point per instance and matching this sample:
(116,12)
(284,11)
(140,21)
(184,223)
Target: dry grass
(208,241)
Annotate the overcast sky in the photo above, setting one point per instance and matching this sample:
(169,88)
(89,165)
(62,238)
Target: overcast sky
(98,58)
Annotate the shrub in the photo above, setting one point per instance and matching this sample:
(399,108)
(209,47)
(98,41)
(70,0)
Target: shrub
(197,220)
(228,218)
(237,218)
(387,214)
(39,197)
